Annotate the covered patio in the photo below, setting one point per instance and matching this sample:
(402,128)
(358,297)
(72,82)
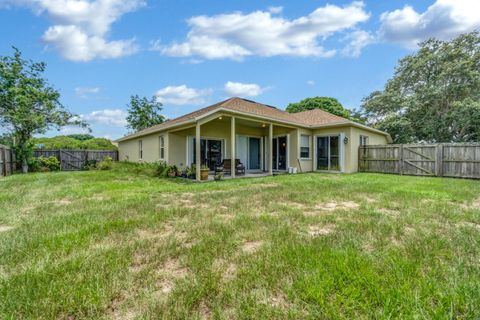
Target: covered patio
(260,146)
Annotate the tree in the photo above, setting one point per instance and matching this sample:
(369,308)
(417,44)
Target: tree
(323,103)
(143,113)
(28,104)
(434,95)
(81,136)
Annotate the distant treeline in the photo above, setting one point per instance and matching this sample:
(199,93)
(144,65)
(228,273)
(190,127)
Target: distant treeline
(74,141)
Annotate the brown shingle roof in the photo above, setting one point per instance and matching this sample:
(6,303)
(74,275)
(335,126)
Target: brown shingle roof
(306,118)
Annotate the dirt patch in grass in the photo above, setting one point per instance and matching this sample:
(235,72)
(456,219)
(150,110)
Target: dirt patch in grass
(474,205)
(228,269)
(4,228)
(171,271)
(251,246)
(333,205)
(390,212)
(469,224)
(279,300)
(315,231)
(292,204)
(62,202)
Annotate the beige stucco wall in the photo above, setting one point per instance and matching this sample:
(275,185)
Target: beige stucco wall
(129,150)
(176,143)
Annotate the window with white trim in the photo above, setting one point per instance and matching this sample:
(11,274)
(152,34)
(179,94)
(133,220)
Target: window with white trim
(161,143)
(363,140)
(140,149)
(304,146)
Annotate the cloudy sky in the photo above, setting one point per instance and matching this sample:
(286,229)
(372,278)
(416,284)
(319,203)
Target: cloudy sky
(189,54)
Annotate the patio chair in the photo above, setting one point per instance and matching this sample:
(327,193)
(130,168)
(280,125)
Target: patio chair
(226,167)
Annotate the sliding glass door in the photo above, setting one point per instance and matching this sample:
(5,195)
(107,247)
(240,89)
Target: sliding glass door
(328,153)
(279,153)
(210,152)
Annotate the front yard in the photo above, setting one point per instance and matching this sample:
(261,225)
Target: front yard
(120,244)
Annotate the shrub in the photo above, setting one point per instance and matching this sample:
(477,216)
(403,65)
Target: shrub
(105,164)
(44,164)
(160,169)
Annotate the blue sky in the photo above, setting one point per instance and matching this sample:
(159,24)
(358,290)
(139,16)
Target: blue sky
(190,54)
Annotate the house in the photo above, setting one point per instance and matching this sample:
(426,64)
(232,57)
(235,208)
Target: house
(264,138)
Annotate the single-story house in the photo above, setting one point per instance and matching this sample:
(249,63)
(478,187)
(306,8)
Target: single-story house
(264,139)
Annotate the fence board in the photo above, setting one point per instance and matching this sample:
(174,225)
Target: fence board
(7,161)
(71,160)
(459,160)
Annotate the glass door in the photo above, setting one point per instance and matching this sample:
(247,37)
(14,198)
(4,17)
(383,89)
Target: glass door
(214,153)
(282,153)
(328,153)
(254,153)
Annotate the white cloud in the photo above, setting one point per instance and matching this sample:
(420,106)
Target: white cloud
(109,117)
(358,40)
(239,89)
(237,35)
(273,9)
(311,82)
(80,27)
(84,92)
(181,95)
(444,20)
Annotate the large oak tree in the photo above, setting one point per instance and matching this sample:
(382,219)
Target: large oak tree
(434,95)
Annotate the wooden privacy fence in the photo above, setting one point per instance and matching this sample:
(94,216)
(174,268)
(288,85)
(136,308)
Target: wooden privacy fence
(76,159)
(7,161)
(459,160)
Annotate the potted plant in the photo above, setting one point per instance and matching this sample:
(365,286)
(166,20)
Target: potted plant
(204,172)
(172,171)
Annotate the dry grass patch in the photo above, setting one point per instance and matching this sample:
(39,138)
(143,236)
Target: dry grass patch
(315,231)
(390,212)
(171,271)
(4,228)
(292,204)
(62,202)
(474,205)
(333,205)
(251,246)
(469,224)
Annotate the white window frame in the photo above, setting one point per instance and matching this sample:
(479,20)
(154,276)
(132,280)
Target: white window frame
(140,149)
(308,146)
(342,147)
(365,139)
(161,147)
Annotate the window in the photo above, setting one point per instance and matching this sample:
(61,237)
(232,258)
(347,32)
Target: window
(161,143)
(304,146)
(363,140)
(140,149)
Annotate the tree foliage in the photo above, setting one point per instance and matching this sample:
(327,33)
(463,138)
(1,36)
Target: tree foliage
(143,113)
(67,142)
(28,104)
(434,95)
(328,104)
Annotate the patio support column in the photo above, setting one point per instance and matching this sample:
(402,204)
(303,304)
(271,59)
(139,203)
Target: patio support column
(198,161)
(270,146)
(232,148)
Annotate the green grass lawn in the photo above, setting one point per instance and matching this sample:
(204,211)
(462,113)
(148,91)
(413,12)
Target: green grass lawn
(121,244)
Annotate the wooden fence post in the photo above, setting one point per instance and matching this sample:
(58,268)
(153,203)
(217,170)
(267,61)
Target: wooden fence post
(4,162)
(400,157)
(439,160)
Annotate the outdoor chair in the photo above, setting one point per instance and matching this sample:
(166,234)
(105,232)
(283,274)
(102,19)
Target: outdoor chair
(226,167)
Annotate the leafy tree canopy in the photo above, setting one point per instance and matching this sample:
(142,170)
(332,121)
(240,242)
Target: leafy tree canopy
(28,104)
(81,136)
(328,104)
(434,95)
(67,142)
(143,113)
